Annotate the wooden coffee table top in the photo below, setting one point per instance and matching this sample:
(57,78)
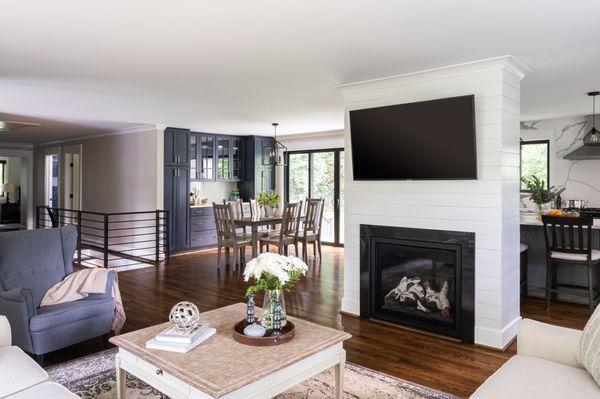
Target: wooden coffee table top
(221,365)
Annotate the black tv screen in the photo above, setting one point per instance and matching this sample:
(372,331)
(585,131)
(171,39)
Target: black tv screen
(422,140)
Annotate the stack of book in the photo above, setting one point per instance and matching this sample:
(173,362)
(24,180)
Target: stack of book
(176,341)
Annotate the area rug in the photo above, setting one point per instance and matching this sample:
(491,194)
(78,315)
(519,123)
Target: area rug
(93,377)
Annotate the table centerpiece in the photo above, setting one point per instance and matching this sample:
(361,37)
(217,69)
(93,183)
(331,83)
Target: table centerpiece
(273,273)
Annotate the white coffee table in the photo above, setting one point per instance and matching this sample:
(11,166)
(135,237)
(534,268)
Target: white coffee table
(223,368)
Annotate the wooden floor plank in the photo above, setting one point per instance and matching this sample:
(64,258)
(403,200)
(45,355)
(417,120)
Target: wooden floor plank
(449,366)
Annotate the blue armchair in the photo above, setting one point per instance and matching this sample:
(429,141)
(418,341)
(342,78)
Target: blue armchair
(31,262)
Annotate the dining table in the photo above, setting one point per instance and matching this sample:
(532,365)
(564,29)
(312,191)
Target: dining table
(254,222)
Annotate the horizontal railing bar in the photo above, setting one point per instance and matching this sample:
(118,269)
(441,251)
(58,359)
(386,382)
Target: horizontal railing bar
(131,242)
(132,235)
(90,234)
(132,228)
(130,221)
(134,249)
(135,213)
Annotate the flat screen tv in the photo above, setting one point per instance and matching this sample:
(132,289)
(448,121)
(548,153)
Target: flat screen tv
(429,140)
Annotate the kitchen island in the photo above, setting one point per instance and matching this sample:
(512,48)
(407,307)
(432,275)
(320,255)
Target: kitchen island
(532,234)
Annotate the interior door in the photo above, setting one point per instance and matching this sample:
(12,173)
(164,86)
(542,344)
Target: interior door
(51,177)
(72,177)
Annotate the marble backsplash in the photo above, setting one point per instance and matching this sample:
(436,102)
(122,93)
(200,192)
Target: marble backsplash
(580,178)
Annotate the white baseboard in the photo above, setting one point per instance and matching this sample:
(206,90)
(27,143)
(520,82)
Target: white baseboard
(350,306)
(498,339)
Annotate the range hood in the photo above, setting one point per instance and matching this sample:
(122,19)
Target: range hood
(584,152)
(591,141)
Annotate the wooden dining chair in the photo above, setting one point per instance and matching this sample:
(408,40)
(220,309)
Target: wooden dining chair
(288,233)
(254,208)
(311,227)
(255,213)
(569,241)
(227,236)
(239,209)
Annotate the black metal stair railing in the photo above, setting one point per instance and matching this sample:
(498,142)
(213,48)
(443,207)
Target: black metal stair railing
(115,240)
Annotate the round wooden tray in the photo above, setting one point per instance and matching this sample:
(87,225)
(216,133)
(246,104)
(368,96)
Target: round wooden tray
(287,333)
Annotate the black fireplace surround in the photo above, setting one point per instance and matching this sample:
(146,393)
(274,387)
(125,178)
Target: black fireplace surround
(418,278)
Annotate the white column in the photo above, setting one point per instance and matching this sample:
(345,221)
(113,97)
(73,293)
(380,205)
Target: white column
(489,204)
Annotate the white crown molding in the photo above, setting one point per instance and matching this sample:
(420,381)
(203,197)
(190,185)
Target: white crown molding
(312,135)
(507,62)
(150,128)
(16,146)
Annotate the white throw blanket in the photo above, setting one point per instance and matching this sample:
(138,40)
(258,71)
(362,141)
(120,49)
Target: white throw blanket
(79,285)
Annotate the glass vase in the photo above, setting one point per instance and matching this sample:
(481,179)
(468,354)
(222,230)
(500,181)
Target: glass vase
(268,307)
(269,211)
(543,209)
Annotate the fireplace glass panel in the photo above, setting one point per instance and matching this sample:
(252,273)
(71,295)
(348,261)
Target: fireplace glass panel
(416,281)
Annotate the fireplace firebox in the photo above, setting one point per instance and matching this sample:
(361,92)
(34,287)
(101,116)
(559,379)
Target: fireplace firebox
(419,278)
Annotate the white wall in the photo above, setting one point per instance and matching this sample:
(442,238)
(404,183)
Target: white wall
(488,206)
(580,178)
(119,171)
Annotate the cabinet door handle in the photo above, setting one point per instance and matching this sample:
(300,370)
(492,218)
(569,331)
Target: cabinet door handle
(159,372)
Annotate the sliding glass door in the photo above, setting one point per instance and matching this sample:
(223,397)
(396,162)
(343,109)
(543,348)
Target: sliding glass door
(319,174)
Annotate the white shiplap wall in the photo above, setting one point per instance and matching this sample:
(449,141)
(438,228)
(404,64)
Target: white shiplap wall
(489,206)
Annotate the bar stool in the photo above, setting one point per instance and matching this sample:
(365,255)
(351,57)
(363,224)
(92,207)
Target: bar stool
(523,264)
(569,240)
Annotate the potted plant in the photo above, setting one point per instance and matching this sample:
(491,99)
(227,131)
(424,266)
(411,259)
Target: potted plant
(272,273)
(269,200)
(540,195)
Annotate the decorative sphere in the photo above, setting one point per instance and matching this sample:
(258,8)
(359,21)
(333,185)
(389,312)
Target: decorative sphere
(184,316)
(255,330)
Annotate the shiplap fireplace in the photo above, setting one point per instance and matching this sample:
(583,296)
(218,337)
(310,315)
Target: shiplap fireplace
(487,207)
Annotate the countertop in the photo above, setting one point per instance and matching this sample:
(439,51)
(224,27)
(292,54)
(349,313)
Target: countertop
(531,219)
(201,206)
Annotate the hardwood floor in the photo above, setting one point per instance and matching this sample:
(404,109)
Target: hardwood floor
(448,366)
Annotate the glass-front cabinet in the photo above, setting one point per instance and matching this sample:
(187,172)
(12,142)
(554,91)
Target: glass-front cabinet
(193,156)
(223,157)
(236,159)
(202,157)
(214,157)
(206,156)
(229,158)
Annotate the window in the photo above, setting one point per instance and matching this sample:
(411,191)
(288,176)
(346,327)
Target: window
(535,161)
(319,174)
(2,176)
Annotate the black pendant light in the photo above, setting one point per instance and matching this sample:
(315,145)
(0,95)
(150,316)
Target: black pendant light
(592,138)
(275,151)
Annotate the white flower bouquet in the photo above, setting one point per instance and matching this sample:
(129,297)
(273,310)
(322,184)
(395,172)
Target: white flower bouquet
(272,271)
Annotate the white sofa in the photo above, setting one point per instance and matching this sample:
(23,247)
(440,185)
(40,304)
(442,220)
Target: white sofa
(20,376)
(546,366)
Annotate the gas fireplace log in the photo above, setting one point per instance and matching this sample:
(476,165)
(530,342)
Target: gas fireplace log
(408,290)
(438,300)
(411,292)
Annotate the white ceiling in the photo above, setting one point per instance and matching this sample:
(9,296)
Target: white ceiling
(235,66)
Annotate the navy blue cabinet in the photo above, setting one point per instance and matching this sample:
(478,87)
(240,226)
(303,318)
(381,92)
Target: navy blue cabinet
(259,173)
(202,156)
(229,158)
(176,146)
(203,231)
(176,201)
